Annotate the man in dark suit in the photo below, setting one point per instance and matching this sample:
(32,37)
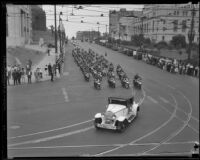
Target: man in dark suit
(49,69)
(29,76)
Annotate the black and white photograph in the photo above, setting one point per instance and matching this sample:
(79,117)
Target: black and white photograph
(102,80)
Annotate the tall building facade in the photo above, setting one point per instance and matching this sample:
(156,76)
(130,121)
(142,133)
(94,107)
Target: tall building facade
(18,25)
(162,22)
(120,23)
(90,35)
(159,22)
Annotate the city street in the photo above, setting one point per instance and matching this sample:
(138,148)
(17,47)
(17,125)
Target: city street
(56,118)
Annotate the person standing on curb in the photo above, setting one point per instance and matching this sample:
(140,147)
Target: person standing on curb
(23,75)
(8,74)
(29,76)
(49,69)
(14,76)
(54,70)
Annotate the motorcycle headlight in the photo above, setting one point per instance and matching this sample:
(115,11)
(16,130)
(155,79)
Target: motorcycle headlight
(114,117)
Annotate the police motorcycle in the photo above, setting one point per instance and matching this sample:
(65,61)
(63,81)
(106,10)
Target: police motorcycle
(125,82)
(87,76)
(137,81)
(97,83)
(111,82)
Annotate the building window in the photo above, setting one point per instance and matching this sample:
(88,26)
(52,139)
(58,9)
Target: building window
(184,26)
(163,38)
(175,25)
(177,12)
(186,13)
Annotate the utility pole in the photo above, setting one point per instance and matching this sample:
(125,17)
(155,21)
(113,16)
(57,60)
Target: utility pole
(191,33)
(60,34)
(55,29)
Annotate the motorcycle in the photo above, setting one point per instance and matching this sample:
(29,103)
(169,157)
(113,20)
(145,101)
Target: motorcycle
(87,76)
(137,83)
(111,82)
(97,84)
(125,83)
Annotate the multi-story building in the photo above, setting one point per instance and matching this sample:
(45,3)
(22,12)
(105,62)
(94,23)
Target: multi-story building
(160,22)
(120,23)
(18,25)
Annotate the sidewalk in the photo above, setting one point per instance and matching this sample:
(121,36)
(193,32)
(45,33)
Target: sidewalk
(45,61)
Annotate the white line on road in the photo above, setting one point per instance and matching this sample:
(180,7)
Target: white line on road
(163,99)
(171,86)
(65,95)
(152,99)
(102,145)
(56,129)
(156,154)
(178,131)
(52,137)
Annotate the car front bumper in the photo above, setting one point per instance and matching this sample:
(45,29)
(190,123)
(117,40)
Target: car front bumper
(107,126)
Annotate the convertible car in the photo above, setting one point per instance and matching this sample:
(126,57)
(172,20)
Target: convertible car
(120,112)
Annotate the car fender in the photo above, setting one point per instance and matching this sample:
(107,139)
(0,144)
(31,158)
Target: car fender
(98,115)
(121,118)
(134,107)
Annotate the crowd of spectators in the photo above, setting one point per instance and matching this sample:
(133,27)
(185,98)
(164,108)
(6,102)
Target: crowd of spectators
(172,65)
(20,75)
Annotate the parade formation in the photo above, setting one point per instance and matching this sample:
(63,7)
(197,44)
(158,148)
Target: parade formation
(97,67)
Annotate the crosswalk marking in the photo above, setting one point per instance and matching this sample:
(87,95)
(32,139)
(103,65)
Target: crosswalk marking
(152,99)
(164,100)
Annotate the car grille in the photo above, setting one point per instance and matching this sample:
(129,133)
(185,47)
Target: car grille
(109,121)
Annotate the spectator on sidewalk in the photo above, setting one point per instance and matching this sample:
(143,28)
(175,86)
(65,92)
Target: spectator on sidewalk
(54,69)
(14,77)
(36,75)
(46,70)
(49,69)
(196,71)
(29,75)
(51,73)
(23,75)
(8,74)
(59,68)
(19,76)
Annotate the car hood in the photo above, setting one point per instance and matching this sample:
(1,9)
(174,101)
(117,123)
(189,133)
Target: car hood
(115,108)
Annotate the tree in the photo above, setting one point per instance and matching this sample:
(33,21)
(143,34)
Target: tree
(138,40)
(178,41)
(161,45)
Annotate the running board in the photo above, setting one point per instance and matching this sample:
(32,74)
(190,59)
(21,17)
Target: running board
(131,118)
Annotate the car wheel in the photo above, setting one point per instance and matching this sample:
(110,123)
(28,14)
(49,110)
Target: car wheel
(121,127)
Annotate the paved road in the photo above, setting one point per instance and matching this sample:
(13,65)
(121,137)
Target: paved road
(55,119)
